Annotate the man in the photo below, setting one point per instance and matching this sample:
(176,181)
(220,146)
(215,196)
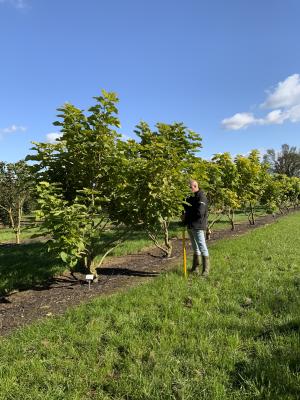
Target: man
(195,218)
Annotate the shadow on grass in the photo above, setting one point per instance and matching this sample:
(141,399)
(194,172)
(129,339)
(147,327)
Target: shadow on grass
(26,266)
(284,329)
(272,373)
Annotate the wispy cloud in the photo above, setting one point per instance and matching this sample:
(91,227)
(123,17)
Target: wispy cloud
(19,4)
(12,129)
(52,137)
(283,100)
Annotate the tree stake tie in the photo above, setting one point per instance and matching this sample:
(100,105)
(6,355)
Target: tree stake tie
(184,253)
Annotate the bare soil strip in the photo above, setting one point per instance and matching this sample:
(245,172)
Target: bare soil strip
(118,273)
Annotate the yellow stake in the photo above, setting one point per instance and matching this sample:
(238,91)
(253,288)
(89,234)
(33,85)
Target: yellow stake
(184,252)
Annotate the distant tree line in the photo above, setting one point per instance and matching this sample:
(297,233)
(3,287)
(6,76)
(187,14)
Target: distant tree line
(286,161)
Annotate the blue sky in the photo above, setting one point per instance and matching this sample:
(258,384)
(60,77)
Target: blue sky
(228,69)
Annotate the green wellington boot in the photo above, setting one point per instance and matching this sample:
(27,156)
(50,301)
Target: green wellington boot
(196,264)
(205,265)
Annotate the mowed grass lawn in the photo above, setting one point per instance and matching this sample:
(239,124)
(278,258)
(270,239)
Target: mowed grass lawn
(234,335)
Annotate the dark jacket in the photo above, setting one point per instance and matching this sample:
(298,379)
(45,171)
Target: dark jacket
(195,216)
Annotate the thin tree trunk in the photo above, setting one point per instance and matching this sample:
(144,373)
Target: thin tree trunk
(231,218)
(168,244)
(252,221)
(18,227)
(211,224)
(94,270)
(155,241)
(11,218)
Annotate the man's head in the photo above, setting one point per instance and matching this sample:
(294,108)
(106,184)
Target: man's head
(194,186)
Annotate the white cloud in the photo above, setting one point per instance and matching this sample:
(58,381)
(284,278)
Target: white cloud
(12,129)
(238,121)
(286,93)
(20,4)
(284,100)
(294,113)
(275,117)
(52,137)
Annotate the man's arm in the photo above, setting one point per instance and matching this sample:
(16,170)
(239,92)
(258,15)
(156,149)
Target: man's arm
(202,204)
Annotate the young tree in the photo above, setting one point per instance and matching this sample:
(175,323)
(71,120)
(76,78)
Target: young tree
(294,193)
(285,192)
(227,186)
(78,177)
(219,178)
(15,190)
(157,170)
(252,180)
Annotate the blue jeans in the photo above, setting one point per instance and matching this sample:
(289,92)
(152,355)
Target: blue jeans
(197,237)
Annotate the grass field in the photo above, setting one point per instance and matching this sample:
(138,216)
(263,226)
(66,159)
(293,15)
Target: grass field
(234,335)
(7,234)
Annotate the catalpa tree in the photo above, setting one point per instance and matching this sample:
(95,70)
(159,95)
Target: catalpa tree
(251,183)
(156,173)
(223,185)
(78,177)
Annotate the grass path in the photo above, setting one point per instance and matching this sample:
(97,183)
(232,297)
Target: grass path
(234,335)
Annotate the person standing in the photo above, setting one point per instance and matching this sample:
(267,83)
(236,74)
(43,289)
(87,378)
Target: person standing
(195,218)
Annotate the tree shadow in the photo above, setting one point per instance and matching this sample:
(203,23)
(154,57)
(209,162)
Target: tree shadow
(283,329)
(125,271)
(26,266)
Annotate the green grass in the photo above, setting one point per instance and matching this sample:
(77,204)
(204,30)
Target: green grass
(7,234)
(232,336)
(26,265)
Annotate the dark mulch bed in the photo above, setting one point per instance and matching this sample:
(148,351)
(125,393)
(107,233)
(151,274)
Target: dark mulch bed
(118,273)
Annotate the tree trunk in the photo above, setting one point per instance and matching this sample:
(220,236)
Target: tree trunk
(231,219)
(208,233)
(11,218)
(155,241)
(211,224)
(280,209)
(252,220)
(168,244)
(17,236)
(18,227)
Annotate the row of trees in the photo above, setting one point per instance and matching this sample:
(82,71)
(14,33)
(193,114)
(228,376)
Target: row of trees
(246,183)
(16,185)
(91,180)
